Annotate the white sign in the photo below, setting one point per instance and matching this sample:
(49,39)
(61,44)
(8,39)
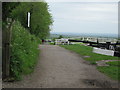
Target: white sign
(28,19)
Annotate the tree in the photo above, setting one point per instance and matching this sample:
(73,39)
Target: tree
(7,9)
(41,19)
(23,45)
(60,37)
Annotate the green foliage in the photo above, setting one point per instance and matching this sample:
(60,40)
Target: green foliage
(111,71)
(24,43)
(60,37)
(20,13)
(52,43)
(24,51)
(7,8)
(53,39)
(41,19)
(39,41)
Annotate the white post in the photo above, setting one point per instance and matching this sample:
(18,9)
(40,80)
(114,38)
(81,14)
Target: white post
(28,19)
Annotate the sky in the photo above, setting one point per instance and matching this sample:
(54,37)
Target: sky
(84,16)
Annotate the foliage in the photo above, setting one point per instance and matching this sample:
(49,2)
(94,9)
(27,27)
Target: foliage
(60,37)
(7,9)
(24,51)
(41,19)
(52,43)
(24,44)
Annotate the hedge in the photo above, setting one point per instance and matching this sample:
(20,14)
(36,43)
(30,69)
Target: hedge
(24,51)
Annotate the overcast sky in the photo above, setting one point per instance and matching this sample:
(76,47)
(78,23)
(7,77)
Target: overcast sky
(77,16)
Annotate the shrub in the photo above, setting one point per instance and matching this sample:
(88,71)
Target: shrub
(24,51)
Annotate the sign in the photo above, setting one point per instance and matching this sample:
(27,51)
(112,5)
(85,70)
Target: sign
(28,19)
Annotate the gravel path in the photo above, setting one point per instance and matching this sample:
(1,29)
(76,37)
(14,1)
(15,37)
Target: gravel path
(60,68)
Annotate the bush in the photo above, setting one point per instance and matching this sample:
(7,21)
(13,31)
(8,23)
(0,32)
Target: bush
(24,51)
(39,41)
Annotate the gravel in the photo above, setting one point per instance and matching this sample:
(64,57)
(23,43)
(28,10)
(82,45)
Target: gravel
(60,68)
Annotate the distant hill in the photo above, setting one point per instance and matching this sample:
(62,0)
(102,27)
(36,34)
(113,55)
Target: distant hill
(56,34)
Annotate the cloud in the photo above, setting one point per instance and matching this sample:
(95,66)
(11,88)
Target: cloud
(89,12)
(82,0)
(95,15)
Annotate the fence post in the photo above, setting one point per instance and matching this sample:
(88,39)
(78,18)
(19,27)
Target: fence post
(6,49)
(108,44)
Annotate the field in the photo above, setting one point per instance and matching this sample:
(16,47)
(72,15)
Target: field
(111,71)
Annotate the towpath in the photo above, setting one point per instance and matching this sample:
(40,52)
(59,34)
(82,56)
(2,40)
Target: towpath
(61,68)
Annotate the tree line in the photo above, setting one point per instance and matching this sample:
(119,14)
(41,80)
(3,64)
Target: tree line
(41,19)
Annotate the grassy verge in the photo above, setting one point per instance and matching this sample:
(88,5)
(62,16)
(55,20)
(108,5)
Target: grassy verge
(111,71)
(87,51)
(114,63)
(51,43)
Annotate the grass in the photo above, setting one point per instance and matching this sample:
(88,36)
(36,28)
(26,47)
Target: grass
(51,43)
(111,71)
(79,43)
(114,63)
(87,51)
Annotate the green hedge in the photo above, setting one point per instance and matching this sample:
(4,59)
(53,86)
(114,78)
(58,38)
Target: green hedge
(24,51)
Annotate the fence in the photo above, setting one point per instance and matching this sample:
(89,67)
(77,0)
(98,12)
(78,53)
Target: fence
(107,45)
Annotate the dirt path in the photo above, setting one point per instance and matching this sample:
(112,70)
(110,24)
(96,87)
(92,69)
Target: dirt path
(60,68)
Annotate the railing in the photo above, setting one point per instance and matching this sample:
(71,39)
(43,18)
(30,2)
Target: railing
(107,45)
